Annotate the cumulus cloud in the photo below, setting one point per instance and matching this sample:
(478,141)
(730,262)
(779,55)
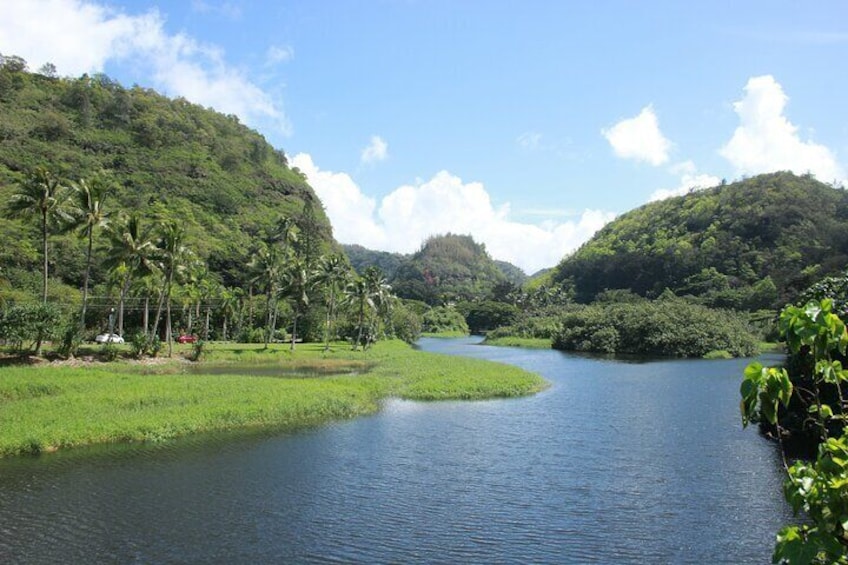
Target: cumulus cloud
(350,211)
(408,215)
(377,150)
(690,179)
(767,141)
(80,36)
(639,138)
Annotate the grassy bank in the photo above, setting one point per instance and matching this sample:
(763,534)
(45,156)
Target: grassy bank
(51,406)
(514,341)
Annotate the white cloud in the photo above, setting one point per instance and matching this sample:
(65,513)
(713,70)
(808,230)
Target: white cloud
(444,203)
(639,138)
(529,140)
(377,150)
(80,36)
(690,180)
(350,211)
(279,54)
(767,141)
(229,10)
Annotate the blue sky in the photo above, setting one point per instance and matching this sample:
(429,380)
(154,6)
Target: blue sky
(527,124)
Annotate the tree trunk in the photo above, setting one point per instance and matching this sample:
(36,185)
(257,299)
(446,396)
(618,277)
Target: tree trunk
(146,311)
(294,328)
(168,318)
(44,251)
(361,320)
(85,278)
(268,319)
(124,289)
(206,327)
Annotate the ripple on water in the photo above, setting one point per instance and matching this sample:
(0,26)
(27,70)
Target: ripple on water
(615,463)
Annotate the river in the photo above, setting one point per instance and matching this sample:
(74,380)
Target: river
(618,462)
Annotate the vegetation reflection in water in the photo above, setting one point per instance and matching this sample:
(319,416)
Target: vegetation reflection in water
(51,407)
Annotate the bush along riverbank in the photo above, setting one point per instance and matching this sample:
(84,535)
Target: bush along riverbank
(669,327)
(53,406)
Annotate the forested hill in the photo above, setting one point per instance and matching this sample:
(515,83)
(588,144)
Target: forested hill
(751,244)
(361,258)
(448,268)
(168,158)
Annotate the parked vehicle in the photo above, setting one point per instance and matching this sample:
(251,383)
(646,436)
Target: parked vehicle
(108,338)
(185,338)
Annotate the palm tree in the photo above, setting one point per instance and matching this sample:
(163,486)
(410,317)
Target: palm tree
(358,297)
(88,213)
(380,293)
(40,195)
(296,283)
(173,256)
(230,300)
(366,293)
(331,276)
(267,265)
(210,289)
(285,233)
(130,254)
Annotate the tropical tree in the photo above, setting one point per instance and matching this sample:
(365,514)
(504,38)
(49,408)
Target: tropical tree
(130,254)
(331,276)
(381,293)
(266,266)
(230,299)
(296,282)
(365,294)
(210,289)
(173,256)
(41,195)
(87,214)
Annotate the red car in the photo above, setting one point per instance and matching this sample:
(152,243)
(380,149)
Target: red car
(187,338)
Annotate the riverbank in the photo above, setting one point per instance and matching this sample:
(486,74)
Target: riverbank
(52,406)
(514,341)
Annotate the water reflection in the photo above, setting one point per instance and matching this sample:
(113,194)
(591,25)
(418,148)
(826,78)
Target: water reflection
(615,463)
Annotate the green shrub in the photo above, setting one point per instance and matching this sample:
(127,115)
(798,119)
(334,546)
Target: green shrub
(487,315)
(141,344)
(444,319)
(671,327)
(71,339)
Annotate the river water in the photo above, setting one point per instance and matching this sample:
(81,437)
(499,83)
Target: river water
(618,462)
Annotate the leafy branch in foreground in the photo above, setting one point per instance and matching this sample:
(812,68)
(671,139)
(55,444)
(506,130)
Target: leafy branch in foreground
(819,487)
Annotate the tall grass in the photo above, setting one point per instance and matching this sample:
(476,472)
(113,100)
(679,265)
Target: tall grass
(49,407)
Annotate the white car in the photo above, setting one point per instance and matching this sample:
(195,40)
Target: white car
(109,338)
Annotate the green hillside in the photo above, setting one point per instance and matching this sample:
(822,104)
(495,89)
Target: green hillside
(361,258)
(450,265)
(751,244)
(448,268)
(168,159)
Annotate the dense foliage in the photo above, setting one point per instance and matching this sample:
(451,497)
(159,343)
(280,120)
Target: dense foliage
(168,159)
(126,210)
(361,258)
(448,268)
(444,320)
(818,488)
(668,327)
(748,245)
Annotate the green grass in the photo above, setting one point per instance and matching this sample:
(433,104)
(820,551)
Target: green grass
(48,406)
(772,347)
(450,333)
(514,341)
